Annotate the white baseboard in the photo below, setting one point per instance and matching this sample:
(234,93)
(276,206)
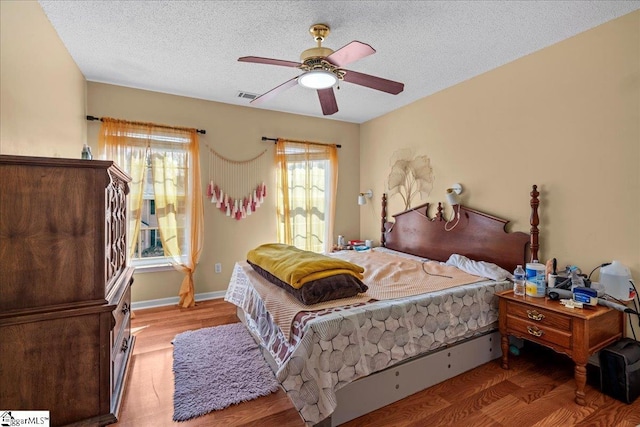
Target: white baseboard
(174,300)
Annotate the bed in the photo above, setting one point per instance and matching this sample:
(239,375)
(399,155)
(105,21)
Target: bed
(338,360)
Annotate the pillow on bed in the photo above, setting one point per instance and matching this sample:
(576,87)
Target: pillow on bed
(321,290)
(479,268)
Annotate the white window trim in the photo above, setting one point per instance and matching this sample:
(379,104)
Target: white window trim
(151,265)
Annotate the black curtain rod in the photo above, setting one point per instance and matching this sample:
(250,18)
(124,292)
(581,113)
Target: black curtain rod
(93,118)
(264,138)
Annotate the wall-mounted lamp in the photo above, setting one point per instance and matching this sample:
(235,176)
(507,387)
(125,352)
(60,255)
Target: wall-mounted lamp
(453,198)
(362,198)
(453,194)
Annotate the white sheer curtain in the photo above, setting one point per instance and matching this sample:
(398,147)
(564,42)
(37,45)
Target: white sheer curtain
(307,175)
(173,154)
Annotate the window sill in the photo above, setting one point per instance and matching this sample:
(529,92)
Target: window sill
(152,268)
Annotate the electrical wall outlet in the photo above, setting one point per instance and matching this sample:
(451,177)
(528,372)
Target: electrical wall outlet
(218,267)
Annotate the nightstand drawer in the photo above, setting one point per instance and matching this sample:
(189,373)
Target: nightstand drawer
(538,332)
(539,316)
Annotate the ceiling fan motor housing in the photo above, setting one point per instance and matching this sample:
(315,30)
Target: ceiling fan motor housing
(315,52)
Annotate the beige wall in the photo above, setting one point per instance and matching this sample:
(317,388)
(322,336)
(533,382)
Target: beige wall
(234,132)
(42,91)
(566,118)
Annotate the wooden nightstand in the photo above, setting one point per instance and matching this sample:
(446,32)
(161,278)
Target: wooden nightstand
(576,332)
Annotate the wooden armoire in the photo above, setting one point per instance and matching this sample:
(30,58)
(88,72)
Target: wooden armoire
(65,280)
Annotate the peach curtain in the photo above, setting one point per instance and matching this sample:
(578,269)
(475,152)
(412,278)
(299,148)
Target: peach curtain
(307,175)
(173,154)
(130,154)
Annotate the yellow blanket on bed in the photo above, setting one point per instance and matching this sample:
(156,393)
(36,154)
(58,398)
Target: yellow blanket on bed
(297,267)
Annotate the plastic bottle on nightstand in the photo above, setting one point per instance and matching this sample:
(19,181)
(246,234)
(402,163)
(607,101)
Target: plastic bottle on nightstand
(519,281)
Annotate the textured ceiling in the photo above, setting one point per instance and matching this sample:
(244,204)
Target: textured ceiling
(191,48)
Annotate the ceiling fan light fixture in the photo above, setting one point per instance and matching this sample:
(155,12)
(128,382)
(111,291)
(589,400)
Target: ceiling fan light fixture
(318,79)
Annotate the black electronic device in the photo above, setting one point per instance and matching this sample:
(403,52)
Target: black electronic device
(556,294)
(620,370)
(563,283)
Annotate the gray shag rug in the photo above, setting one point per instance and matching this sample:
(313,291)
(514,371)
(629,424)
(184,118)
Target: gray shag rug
(215,368)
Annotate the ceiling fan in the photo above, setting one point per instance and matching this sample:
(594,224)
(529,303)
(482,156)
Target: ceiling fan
(322,69)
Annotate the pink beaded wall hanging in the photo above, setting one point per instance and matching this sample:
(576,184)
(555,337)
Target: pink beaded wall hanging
(237,188)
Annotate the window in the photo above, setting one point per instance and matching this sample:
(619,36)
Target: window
(307,177)
(165,199)
(148,250)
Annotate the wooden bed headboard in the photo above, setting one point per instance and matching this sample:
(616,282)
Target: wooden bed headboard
(477,235)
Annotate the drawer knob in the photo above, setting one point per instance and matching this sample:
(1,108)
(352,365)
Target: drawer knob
(125,308)
(125,345)
(534,315)
(533,330)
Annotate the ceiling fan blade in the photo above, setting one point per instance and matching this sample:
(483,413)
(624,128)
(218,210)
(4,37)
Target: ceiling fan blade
(350,53)
(373,82)
(269,61)
(275,91)
(328,101)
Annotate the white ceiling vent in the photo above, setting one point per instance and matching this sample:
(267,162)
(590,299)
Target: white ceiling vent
(247,95)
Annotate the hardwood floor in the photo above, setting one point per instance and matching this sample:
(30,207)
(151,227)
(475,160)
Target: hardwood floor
(538,390)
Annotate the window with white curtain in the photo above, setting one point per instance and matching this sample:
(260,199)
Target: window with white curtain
(147,249)
(165,198)
(307,177)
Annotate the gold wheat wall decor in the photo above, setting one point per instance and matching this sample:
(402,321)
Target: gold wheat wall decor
(410,176)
